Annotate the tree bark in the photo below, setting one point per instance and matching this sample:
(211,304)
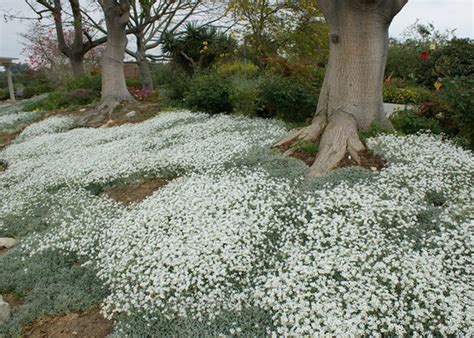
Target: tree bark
(77,66)
(114,88)
(351,94)
(142,62)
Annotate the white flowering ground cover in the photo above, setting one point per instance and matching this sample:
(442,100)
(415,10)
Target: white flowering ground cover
(239,243)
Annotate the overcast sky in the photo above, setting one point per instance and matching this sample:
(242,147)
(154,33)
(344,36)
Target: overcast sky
(443,14)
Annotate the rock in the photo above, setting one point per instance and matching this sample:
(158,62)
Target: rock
(4,311)
(7,243)
(131,114)
(373,168)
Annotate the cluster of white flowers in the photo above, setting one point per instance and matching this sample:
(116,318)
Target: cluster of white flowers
(9,121)
(52,125)
(389,254)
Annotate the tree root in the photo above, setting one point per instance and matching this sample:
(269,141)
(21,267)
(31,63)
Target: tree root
(101,113)
(337,135)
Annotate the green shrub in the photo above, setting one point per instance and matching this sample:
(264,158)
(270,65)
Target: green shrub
(453,59)
(59,100)
(37,90)
(402,61)
(374,129)
(245,97)
(409,122)
(287,99)
(459,94)
(209,93)
(307,147)
(238,68)
(408,95)
(92,82)
(4,94)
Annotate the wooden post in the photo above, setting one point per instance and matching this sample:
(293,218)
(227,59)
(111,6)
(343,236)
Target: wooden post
(10,82)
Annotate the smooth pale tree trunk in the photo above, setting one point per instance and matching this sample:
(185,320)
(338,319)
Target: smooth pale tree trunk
(114,88)
(351,97)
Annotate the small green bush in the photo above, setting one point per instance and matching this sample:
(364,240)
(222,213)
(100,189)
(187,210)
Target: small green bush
(37,90)
(459,94)
(408,95)
(287,99)
(453,59)
(245,97)
(209,93)
(409,122)
(307,147)
(59,100)
(374,129)
(4,94)
(91,82)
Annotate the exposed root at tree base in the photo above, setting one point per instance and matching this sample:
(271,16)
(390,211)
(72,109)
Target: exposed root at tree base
(87,324)
(126,112)
(339,145)
(137,191)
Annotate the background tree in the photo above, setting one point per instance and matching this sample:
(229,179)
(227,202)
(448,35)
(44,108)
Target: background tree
(42,53)
(151,19)
(351,95)
(260,19)
(65,22)
(198,47)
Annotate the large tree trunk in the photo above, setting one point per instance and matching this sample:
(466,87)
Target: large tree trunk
(351,95)
(77,66)
(114,87)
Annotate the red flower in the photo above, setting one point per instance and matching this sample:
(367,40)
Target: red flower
(425,55)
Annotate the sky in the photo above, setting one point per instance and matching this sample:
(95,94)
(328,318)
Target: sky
(444,14)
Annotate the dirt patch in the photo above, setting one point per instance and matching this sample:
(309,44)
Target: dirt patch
(13,301)
(369,160)
(5,140)
(304,156)
(137,191)
(90,324)
(143,111)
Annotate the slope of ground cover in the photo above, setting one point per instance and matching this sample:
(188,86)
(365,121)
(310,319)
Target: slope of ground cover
(240,243)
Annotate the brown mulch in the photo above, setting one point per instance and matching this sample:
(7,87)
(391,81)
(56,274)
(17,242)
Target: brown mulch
(144,112)
(5,140)
(90,324)
(137,191)
(369,160)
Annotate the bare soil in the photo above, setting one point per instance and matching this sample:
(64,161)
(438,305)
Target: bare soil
(136,192)
(369,160)
(5,140)
(90,324)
